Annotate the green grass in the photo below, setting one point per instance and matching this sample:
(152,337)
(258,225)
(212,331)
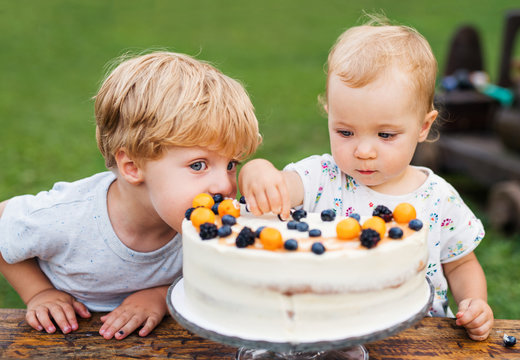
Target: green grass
(54,55)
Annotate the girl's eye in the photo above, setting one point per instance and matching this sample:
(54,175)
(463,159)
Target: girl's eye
(198,166)
(232,165)
(346,133)
(385,135)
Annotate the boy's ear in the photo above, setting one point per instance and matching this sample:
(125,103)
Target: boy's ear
(427,124)
(128,168)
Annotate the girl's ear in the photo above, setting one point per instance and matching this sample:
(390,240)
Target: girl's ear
(427,124)
(128,168)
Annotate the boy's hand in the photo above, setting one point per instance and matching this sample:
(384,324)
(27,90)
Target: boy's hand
(476,316)
(264,188)
(54,304)
(146,307)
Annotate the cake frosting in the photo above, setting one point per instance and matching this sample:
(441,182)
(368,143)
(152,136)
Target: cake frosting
(297,296)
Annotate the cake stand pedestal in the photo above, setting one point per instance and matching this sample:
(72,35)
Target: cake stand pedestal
(348,348)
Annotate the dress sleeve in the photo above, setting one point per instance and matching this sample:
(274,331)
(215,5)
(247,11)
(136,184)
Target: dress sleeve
(460,229)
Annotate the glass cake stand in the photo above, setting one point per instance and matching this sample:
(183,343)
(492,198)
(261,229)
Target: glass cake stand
(342,349)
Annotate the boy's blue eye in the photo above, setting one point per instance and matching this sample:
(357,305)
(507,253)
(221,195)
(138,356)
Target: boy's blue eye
(198,166)
(346,133)
(385,135)
(232,165)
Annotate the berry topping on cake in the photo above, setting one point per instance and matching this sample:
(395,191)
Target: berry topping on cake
(258,231)
(348,228)
(187,214)
(214,208)
(404,213)
(242,200)
(245,238)
(271,238)
(355,216)
(318,248)
(229,207)
(415,224)
(208,231)
(383,212)
(203,200)
(314,232)
(509,340)
(369,238)
(229,220)
(328,215)
(376,223)
(202,215)
(299,214)
(290,244)
(395,233)
(224,230)
(218,198)
(302,226)
(292,224)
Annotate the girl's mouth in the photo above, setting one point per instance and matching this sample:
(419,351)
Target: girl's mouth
(366,172)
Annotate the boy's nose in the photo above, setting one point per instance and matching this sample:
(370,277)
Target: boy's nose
(223,184)
(365,150)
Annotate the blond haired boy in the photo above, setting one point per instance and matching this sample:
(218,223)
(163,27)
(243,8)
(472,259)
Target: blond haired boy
(379,100)
(169,127)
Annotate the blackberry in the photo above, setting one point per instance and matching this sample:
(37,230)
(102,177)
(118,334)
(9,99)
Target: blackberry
(290,244)
(328,215)
(415,224)
(258,231)
(229,220)
(302,226)
(318,248)
(395,233)
(224,230)
(369,238)
(188,212)
(299,214)
(218,198)
(383,212)
(509,340)
(208,231)
(314,232)
(214,208)
(242,200)
(245,237)
(292,224)
(355,216)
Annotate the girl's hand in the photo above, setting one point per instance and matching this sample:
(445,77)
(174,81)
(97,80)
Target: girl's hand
(144,308)
(54,304)
(476,316)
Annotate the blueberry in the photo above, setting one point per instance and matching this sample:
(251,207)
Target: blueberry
(328,215)
(369,238)
(395,233)
(208,231)
(383,212)
(187,214)
(302,226)
(318,248)
(292,224)
(299,214)
(509,340)
(242,200)
(258,231)
(214,208)
(355,216)
(224,231)
(314,232)
(218,198)
(245,237)
(229,220)
(415,224)
(290,244)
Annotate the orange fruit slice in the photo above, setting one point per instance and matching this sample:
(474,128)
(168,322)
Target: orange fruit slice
(204,200)
(202,215)
(348,229)
(376,223)
(229,207)
(404,212)
(271,239)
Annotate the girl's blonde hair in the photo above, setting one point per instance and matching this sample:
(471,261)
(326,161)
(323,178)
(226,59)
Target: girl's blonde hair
(167,99)
(363,53)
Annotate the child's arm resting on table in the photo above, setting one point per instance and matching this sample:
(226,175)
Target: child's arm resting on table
(467,283)
(42,299)
(145,307)
(269,189)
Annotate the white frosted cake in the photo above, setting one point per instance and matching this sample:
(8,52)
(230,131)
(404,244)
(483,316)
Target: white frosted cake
(266,289)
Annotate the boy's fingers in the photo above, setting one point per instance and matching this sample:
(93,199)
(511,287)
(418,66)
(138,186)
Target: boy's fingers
(32,320)
(286,203)
(81,309)
(133,323)
(149,325)
(43,317)
(61,317)
(275,199)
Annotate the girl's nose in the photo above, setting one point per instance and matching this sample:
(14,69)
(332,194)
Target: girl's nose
(365,150)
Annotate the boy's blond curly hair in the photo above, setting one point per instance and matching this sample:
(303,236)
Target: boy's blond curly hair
(165,99)
(363,53)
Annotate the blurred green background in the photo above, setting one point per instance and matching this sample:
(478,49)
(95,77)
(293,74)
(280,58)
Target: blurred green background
(54,55)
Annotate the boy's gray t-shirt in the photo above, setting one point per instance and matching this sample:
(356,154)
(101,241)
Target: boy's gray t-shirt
(68,230)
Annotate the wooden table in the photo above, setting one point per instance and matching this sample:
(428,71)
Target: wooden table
(437,338)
